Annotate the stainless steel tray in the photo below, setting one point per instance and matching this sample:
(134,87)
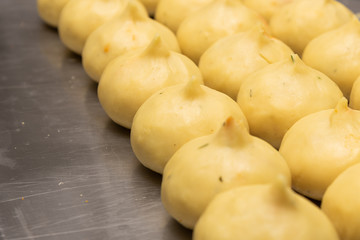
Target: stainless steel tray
(66,170)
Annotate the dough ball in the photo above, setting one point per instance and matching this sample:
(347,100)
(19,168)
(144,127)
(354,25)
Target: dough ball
(276,96)
(341,203)
(172,12)
(263,212)
(49,10)
(320,146)
(230,60)
(211,164)
(298,22)
(80,18)
(175,115)
(131,30)
(130,79)
(337,54)
(216,20)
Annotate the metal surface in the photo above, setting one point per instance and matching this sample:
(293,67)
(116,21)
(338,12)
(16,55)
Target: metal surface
(66,170)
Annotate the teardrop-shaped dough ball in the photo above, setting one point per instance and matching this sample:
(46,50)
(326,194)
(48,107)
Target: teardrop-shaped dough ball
(320,146)
(216,20)
(265,7)
(133,29)
(132,78)
(208,165)
(175,115)
(337,54)
(230,60)
(172,12)
(49,10)
(341,203)
(263,212)
(355,95)
(276,96)
(80,18)
(150,6)
(299,22)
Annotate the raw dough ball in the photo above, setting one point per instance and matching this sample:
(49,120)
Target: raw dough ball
(341,203)
(355,95)
(172,12)
(337,54)
(266,8)
(49,10)
(175,115)
(132,78)
(211,164)
(276,96)
(133,29)
(320,146)
(298,22)
(228,61)
(80,18)
(263,212)
(204,27)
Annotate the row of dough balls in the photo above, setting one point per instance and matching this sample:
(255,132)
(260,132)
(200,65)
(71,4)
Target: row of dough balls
(49,10)
(159,133)
(199,31)
(234,214)
(125,33)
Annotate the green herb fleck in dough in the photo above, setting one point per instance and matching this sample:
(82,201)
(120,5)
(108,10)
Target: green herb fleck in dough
(202,146)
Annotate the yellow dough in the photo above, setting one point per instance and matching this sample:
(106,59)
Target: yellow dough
(150,6)
(320,146)
(208,165)
(80,18)
(172,12)
(204,27)
(298,22)
(337,54)
(175,115)
(276,96)
(341,203)
(263,212)
(355,95)
(230,60)
(133,29)
(266,8)
(130,79)
(49,10)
